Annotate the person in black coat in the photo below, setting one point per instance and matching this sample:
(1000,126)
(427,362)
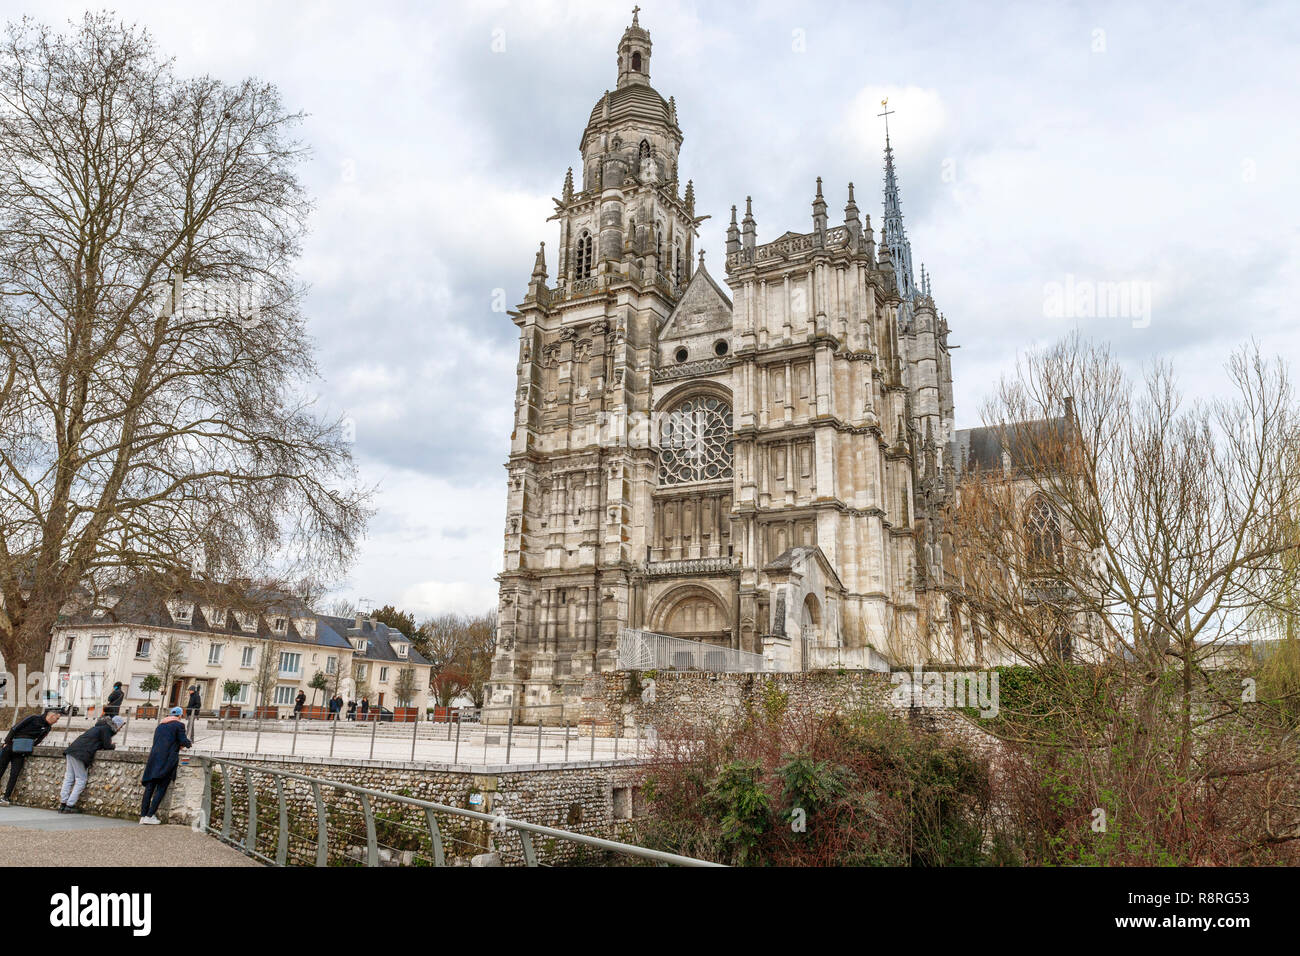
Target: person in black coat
(352,710)
(113,706)
(164,758)
(194,703)
(299,703)
(19,742)
(80,754)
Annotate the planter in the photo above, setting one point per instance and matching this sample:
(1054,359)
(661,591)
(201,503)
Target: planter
(146,711)
(406,714)
(271,712)
(231,711)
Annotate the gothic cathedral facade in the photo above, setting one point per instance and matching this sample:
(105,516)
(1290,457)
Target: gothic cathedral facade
(762,467)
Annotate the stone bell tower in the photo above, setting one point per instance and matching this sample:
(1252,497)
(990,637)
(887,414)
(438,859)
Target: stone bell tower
(580,470)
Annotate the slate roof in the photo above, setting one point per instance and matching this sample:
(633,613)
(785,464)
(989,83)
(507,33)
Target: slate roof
(980,449)
(379,637)
(148,607)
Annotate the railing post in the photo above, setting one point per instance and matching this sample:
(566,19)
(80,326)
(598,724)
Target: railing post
(222,745)
(293,746)
(374,726)
(566,741)
(435,837)
(257,740)
(333,733)
(322,827)
(539,740)
(510,735)
(415,735)
(530,855)
(228,810)
(456,759)
(372,845)
(592,728)
(250,837)
(205,807)
(282,844)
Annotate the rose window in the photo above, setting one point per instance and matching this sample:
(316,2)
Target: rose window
(695,441)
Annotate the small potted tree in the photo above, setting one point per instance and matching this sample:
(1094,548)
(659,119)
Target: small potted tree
(230,690)
(149,684)
(319,682)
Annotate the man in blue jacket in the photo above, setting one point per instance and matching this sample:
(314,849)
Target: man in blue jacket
(164,758)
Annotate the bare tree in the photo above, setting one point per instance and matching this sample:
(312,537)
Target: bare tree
(267,675)
(1128,540)
(172,651)
(152,352)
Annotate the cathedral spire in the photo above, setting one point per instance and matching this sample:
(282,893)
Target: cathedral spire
(733,234)
(893,237)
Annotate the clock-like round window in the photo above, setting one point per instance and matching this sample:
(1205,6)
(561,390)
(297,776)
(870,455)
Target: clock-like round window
(695,441)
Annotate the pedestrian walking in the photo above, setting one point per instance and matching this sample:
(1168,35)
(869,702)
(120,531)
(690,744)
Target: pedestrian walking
(352,710)
(160,769)
(80,754)
(299,703)
(113,706)
(19,743)
(194,703)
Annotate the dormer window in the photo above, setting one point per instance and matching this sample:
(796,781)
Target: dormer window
(401,649)
(182,613)
(280,625)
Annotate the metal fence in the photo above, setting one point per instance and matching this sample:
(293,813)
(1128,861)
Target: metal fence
(319,822)
(646,650)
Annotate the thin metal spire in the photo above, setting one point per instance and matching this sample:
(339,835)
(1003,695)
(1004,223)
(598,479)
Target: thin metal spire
(893,236)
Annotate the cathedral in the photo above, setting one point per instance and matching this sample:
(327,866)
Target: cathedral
(760,464)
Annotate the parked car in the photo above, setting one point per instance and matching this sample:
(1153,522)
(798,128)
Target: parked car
(52,698)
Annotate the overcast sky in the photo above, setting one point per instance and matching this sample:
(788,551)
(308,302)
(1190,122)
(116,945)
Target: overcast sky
(1040,146)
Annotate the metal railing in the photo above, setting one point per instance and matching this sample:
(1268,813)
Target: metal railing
(349,830)
(646,650)
(502,735)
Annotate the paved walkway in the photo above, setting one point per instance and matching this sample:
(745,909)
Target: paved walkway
(31,837)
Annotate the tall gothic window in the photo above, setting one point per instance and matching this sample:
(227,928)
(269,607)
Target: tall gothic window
(582,256)
(1042,531)
(695,441)
(677,265)
(636,62)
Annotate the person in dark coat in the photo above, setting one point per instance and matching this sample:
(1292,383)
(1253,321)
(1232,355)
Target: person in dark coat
(113,706)
(164,758)
(194,703)
(80,754)
(19,742)
(299,703)
(365,707)
(352,710)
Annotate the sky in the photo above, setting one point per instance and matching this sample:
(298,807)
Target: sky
(1042,148)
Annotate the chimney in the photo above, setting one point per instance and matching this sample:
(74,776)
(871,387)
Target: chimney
(358,624)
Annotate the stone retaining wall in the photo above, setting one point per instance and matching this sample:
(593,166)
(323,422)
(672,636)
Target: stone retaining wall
(592,798)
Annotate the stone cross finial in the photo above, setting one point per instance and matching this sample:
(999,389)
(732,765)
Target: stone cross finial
(635,11)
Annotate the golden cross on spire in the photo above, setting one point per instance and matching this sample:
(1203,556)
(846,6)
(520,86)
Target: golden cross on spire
(886,114)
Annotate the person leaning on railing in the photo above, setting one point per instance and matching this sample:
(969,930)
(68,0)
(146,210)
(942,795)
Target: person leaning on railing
(21,741)
(164,758)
